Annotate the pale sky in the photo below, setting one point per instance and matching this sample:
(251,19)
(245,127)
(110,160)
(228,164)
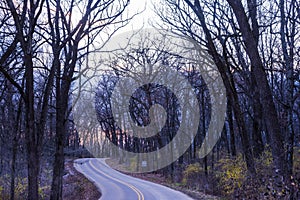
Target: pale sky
(143,18)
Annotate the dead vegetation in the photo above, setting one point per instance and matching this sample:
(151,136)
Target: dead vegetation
(76,186)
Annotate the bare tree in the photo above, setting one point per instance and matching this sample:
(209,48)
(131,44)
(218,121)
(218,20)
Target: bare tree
(269,110)
(25,18)
(181,9)
(68,41)
(34,28)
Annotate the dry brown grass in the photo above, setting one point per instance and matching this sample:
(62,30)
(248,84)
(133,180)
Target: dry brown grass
(77,187)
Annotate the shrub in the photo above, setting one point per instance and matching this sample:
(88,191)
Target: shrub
(21,188)
(1,190)
(133,163)
(232,174)
(191,175)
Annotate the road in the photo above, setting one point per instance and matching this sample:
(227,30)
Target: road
(117,186)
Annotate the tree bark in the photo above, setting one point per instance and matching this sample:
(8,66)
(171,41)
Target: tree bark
(31,136)
(257,114)
(257,146)
(231,128)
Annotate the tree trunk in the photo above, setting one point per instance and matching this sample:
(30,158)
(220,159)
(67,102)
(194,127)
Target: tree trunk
(257,114)
(266,98)
(288,65)
(231,128)
(13,126)
(58,167)
(63,84)
(31,135)
(257,146)
(206,167)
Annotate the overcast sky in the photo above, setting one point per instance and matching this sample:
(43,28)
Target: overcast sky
(143,18)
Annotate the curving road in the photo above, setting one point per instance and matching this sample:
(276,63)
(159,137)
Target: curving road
(117,186)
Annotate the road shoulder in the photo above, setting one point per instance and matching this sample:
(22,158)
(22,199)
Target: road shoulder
(76,186)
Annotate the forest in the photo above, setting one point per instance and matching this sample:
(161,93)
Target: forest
(54,53)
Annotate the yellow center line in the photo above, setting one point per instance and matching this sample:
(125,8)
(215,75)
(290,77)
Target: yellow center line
(137,191)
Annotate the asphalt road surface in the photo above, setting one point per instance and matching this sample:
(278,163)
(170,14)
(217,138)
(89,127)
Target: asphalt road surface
(117,186)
